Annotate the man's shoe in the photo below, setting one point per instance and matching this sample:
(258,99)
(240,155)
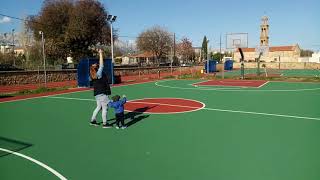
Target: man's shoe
(94,123)
(106,126)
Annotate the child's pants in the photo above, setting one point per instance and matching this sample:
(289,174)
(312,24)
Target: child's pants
(102,103)
(120,119)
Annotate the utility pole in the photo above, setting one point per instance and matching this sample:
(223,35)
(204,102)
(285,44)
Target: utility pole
(174,45)
(44,59)
(112,19)
(208,58)
(221,61)
(14,59)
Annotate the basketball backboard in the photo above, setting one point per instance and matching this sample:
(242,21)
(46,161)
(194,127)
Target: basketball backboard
(236,40)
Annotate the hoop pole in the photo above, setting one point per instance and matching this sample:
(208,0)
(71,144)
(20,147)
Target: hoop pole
(242,63)
(258,62)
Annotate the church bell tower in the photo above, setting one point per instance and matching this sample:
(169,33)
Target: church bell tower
(264,31)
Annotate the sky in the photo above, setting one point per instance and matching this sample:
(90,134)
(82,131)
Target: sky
(291,21)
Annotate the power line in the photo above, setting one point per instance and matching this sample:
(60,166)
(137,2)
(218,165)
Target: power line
(20,19)
(13,17)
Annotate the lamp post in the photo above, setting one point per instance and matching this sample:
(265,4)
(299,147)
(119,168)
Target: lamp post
(221,60)
(112,19)
(44,59)
(208,58)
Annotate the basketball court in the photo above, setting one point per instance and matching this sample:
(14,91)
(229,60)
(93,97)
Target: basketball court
(177,129)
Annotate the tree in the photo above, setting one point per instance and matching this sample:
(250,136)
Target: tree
(217,56)
(25,40)
(71,27)
(156,40)
(124,48)
(185,49)
(35,56)
(204,47)
(306,53)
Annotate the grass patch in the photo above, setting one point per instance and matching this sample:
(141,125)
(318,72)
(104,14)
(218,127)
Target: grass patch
(195,75)
(169,77)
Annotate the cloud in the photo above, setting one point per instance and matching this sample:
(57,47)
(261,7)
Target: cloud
(5,20)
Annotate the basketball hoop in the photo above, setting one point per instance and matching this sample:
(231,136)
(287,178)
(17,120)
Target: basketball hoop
(236,41)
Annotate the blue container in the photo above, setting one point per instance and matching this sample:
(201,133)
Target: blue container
(212,66)
(84,70)
(228,65)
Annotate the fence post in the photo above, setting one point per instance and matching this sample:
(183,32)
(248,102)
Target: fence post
(38,76)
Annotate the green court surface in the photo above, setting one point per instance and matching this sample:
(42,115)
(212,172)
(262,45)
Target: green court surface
(265,133)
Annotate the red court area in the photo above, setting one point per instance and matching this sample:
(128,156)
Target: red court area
(163,105)
(238,83)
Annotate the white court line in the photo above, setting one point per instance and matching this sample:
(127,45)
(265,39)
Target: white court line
(238,90)
(195,88)
(222,110)
(263,84)
(133,83)
(265,114)
(191,107)
(195,84)
(272,90)
(79,99)
(36,162)
(296,82)
(43,96)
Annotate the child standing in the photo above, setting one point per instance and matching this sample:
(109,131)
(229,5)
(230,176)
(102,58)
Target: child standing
(117,104)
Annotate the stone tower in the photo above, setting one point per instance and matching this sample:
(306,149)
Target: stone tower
(264,33)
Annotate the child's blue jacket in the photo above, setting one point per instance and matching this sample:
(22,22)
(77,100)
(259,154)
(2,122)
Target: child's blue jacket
(118,105)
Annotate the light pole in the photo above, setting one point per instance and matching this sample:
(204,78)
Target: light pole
(111,19)
(44,59)
(208,58)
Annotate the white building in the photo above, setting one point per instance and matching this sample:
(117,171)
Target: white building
(315,57)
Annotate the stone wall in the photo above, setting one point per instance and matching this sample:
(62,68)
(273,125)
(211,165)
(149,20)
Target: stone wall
(152,70)
(35,77)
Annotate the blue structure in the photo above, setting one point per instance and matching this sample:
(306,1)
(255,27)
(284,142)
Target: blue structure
(228,65)
(212,66)
(84,70)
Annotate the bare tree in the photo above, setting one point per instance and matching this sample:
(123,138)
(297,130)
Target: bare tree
(124,47)
(185,49)
(156,40)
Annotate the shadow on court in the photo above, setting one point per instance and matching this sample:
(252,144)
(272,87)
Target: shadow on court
(12,145)
(134,116)
(5,96)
